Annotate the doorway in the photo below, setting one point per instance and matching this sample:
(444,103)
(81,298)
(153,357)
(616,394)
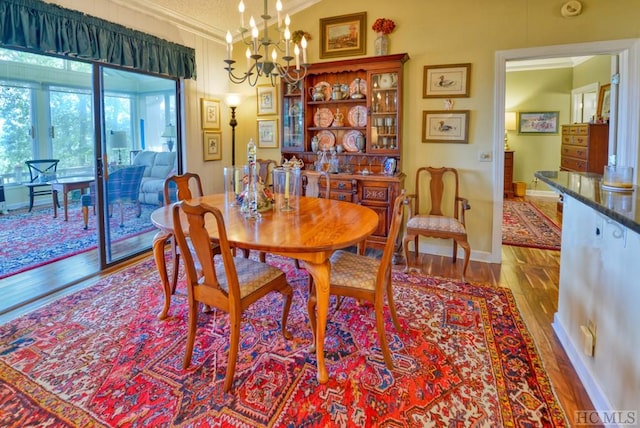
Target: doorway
(626,128)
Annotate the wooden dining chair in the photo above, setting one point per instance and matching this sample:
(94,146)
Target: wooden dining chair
(227,283)
(366,278)
(441,216)
(178,188)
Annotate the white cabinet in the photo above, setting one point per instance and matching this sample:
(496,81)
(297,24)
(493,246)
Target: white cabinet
(600,290)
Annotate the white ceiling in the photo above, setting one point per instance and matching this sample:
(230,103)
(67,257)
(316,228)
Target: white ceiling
(212,18)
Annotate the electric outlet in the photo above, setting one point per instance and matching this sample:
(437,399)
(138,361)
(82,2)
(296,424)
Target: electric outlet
(485,156)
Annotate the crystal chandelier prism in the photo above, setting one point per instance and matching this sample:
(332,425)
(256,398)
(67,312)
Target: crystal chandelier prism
(262,52)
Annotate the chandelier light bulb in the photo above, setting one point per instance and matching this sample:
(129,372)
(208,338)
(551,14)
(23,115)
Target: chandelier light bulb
(252,22)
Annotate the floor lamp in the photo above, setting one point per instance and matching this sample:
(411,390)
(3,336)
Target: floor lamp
(169,133)
(233,100)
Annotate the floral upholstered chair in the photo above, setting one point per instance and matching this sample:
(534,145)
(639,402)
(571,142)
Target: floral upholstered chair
(439,215)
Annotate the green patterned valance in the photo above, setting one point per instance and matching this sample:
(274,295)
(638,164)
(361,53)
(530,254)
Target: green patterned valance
(40,27)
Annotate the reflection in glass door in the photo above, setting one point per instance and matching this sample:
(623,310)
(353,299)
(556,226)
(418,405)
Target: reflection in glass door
(136,157)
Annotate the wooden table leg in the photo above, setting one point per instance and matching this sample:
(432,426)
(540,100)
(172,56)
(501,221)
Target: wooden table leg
(65,202)
(54,195)
(321,275)
(159,243)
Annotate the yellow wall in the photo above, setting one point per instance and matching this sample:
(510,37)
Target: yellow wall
(431,32)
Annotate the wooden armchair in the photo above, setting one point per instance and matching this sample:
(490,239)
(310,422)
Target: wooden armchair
(440,216)
(366,278)
(227,283)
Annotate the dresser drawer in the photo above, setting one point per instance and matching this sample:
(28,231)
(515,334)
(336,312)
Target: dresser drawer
(580,140)
(341,196)
(573,164)
(579,152)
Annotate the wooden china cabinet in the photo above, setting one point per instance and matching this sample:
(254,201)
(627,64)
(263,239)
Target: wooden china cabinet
(352,108)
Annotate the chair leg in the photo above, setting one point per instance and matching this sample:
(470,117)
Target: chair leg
(392,305)
(287,293)
(138,209)
(121,214)
(263,257)
(30,198)
(85,217)
(467,253)
(191,333)
(176,267)
(407,252)
(234,320)
(382,337)
(455,250)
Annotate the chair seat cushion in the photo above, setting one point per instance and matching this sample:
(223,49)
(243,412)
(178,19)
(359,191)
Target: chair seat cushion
(251,274)
(436,223)
(353,270)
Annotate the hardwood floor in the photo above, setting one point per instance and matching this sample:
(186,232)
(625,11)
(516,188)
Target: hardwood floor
(531,274)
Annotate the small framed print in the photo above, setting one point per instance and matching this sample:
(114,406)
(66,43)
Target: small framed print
(604,101)
(212,145)
(544,122)
(268,133)
(267,100)
(446,81)
(210,110)
(445,126)
(343,35)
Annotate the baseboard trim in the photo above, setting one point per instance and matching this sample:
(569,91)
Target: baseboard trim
(598,399)
(542,193)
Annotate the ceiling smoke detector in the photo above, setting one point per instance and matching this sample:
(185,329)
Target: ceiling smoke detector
(571,8)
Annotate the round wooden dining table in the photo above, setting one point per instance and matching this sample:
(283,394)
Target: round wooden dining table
(310,234)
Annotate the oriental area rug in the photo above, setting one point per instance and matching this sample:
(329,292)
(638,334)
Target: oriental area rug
(100,357)
(32,239)
(524,225)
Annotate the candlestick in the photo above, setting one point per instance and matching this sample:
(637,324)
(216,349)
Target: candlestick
(286,186)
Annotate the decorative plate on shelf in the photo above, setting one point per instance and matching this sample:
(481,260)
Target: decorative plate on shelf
(323,117)
(357,116)
(349,140)
(326,88)
(353,87)
(326,140)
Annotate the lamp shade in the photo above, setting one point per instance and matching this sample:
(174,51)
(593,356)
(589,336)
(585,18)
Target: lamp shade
(233,100)
(169,131)
(118,139)
(510,121)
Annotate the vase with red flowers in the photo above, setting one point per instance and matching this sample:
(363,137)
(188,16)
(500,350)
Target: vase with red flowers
(383,27)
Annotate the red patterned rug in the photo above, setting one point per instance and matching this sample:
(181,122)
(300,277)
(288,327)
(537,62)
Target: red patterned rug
(100,357)
(524,225)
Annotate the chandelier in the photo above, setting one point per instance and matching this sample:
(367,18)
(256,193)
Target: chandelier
(262,53)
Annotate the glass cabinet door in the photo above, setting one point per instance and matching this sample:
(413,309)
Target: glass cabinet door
(292,118)
(384,112)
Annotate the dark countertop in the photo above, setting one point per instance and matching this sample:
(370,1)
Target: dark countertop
(622,207)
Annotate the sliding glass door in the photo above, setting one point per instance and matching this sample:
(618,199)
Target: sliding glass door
(135,156)
(101,123)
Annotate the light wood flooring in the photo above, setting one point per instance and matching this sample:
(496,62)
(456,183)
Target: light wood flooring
(531,274)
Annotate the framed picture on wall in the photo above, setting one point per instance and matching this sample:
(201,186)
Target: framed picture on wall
(212,145)
(268,133)
(210,111)
(446,81)
(267,98)
(604,101)
(343,35)
(445,126)
(543,122)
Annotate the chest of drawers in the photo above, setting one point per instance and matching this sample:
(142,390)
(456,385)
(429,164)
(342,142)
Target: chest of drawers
(584,147)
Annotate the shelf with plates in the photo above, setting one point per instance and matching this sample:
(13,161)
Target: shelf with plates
(353,108)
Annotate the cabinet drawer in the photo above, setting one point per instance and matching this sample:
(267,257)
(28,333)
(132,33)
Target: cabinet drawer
(566,139)
(374,192)
(341,196)
(573,164)
(581,129)
(579,152)
(341,185)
